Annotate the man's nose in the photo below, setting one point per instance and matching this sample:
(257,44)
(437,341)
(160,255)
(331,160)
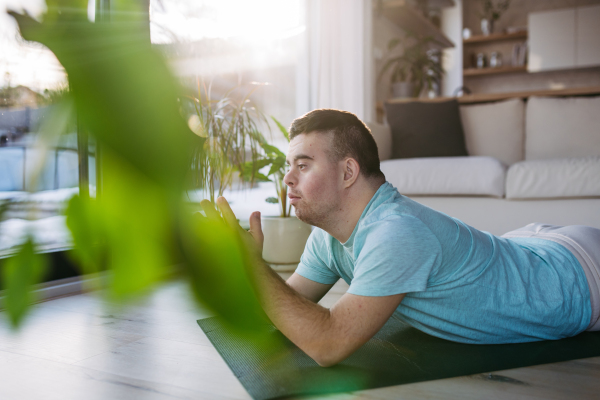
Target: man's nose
(287,179)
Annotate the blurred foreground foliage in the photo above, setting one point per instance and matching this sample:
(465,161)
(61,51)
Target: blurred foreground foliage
(126,97)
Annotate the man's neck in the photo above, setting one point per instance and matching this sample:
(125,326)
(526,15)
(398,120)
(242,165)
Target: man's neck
(341,223)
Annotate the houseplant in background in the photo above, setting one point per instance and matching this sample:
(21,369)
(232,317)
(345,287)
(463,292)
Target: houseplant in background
(492,11)
(415,68)
(285,235)
(230,127)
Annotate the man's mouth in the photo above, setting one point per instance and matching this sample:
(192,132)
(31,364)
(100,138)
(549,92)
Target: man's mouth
(293,198)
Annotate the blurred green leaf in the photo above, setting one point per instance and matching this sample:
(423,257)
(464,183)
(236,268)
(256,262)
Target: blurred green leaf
(137,219)
(225,287)
(20,272)
(272,200)
(393,43)
(127,98)
(85,223)
(124,92)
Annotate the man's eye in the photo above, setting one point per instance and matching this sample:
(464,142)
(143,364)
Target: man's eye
(301,166)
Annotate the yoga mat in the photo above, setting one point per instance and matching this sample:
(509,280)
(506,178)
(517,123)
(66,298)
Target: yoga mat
(396,355)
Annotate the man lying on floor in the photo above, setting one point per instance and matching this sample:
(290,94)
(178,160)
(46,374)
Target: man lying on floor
(435,272)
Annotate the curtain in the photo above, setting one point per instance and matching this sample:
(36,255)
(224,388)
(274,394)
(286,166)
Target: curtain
(338,65)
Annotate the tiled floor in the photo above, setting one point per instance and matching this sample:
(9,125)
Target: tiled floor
(84,347)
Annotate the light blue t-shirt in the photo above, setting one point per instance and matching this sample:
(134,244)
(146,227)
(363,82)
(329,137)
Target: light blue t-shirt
(462,284)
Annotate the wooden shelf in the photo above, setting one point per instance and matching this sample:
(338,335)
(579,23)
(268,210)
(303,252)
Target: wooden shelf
(409,19)
(492,71)
(496,37)
(489,97)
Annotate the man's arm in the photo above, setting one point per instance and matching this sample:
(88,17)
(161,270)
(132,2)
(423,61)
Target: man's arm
(328,336)
(313,291)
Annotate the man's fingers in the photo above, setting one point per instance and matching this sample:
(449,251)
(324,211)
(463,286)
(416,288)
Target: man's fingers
(227,213)
(209,209)
(255,223)
(197,216)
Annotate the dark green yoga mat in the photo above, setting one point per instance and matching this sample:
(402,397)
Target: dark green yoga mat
(397,354)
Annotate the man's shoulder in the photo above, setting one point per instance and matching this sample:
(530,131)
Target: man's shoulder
(395,209)
(394,220)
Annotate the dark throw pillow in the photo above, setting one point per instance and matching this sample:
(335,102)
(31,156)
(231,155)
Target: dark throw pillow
(426,129)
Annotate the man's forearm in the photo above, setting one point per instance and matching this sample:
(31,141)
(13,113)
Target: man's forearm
(306,324)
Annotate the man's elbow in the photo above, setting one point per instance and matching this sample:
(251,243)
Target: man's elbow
(328,356)
(327,362)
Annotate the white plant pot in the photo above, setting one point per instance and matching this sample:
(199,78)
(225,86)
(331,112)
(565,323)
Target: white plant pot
(285,239)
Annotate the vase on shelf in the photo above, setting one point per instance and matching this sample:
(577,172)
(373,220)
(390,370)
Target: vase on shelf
(487,26)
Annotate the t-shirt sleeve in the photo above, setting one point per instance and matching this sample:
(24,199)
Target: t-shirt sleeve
(396,255)
(315,259)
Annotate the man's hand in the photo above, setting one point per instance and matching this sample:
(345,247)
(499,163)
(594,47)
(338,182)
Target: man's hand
(253,239)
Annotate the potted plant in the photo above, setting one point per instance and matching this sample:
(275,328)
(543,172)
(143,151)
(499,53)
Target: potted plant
(416,68)
(285,235)
(492,11)
(230,128)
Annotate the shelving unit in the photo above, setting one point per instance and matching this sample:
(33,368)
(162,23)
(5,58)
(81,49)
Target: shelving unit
(491,71)
(409,19)
(496,37)
(495,40)
(490,97)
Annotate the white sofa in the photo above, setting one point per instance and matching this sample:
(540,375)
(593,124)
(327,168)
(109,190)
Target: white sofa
(533,161)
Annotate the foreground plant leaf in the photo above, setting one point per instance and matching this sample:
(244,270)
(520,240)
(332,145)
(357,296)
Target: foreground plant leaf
(19,273)
(85,223)
(225,287)
(127,98)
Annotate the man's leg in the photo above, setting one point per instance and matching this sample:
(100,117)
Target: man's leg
(584,242)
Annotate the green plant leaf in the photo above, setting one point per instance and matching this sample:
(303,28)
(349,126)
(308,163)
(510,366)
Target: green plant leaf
(272,200)
(278,166)
(271,150)
(262,178)
(284,131)
(393,43)
(249,171)
(19,274)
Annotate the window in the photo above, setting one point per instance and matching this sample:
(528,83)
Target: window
(251,46)
(36,182)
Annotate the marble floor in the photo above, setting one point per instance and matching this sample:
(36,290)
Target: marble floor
(84,347)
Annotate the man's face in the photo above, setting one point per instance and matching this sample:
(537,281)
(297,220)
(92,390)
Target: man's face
(313,179)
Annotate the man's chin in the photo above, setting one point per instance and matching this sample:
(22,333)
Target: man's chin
(304,217)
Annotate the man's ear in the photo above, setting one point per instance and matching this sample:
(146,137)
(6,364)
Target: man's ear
(351,171)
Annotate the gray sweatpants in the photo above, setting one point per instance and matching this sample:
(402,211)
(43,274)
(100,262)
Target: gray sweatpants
(584,242)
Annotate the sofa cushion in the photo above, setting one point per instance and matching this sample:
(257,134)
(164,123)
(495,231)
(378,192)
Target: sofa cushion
(566,177)
(562,127)
(495,130)
(426,129)
(475,176)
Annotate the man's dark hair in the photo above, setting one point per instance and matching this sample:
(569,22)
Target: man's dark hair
(351,137)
